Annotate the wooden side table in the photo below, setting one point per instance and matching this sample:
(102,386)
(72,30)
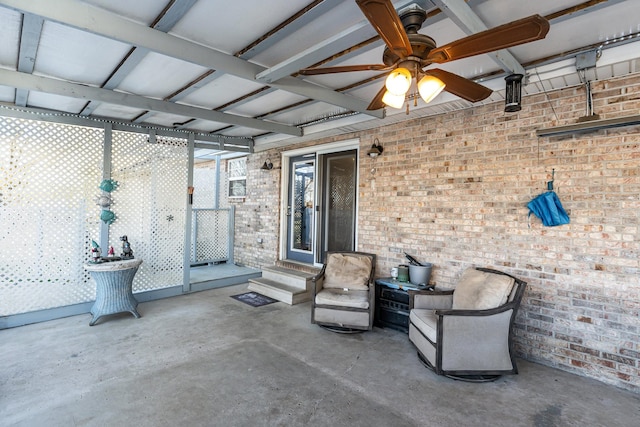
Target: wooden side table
(392,303)
(113,288)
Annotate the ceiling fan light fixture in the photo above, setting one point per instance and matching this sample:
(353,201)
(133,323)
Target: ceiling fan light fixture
(395,101)
(429,87)
(398,81)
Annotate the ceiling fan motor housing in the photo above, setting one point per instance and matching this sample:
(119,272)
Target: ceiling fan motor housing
(421,44)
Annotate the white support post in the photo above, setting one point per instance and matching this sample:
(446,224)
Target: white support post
(106,174)
(186,285)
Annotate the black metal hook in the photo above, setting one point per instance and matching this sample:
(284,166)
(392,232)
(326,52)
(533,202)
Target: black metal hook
(550,183)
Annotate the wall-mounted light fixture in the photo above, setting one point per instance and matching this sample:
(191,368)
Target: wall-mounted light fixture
(513,93)
(376,149)
(267,166)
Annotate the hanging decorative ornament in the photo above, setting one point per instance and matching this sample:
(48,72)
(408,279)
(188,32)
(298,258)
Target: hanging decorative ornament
(104,201)
(108,185)
(107,216)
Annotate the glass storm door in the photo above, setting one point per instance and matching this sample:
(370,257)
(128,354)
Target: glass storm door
(339,202)
(301,209)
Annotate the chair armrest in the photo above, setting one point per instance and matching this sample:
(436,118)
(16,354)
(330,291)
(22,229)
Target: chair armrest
(476,313)
(430,299)
(317,282)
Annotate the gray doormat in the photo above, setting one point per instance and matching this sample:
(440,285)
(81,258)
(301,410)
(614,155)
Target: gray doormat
(254,299)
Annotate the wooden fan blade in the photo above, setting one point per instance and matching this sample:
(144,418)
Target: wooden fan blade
(386,22)
(343,69)
(460,86)
(377,103)
(508,35)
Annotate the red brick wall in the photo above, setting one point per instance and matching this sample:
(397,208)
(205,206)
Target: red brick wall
(452,190)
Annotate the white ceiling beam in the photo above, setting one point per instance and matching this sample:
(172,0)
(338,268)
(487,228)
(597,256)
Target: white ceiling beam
(73,90)
(99,21)
(341,41)
(29,40)
(274,37)
(465,18)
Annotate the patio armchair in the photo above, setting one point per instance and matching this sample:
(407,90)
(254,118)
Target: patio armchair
(466,333)
(343,292)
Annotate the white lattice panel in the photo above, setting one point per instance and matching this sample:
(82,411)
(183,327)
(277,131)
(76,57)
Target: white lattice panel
(150,206)
(204,183)
(211,235)
(49,175)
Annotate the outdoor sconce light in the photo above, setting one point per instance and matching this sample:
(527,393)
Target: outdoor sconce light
(267,166)
(513,93)
(375,150)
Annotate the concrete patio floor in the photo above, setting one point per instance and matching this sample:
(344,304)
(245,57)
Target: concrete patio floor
(205,359)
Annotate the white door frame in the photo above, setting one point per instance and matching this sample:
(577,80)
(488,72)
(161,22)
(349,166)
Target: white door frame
(349,144)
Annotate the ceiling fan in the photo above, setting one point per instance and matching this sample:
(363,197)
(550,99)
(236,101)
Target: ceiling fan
(407,53)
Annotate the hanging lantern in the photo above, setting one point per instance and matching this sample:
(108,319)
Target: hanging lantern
(513,93)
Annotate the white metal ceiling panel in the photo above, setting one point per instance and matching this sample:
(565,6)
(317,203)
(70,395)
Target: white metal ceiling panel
(205,125)
(230,26)
(7,94)
(10,23)
(307,113)
(74,55)
(220,91)
(165,119)
(600,26)
(142,11)
(157,76)
(117,111)
(238,131)
(55,102)
(272,101)
(341,18)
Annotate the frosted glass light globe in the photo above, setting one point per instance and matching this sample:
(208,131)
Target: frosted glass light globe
(429,87)
(395,101)
(398,81)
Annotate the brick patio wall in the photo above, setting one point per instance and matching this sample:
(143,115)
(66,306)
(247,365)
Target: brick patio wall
(452,190)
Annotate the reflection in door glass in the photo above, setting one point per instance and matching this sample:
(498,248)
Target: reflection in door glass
(302,201)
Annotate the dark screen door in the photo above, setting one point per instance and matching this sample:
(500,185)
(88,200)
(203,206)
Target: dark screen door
(339,201)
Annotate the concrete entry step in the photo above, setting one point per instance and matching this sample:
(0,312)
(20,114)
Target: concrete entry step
(298,266)
(280,291)
(289,285)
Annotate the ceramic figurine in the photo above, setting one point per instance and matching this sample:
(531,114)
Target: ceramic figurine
(95,251)
(127,252)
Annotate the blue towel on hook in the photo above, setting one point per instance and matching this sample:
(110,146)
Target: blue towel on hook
(548,208)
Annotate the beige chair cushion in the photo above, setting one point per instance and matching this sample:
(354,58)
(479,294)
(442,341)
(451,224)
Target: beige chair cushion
(480,290)
(342,298)
(347,272)
(426,321)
